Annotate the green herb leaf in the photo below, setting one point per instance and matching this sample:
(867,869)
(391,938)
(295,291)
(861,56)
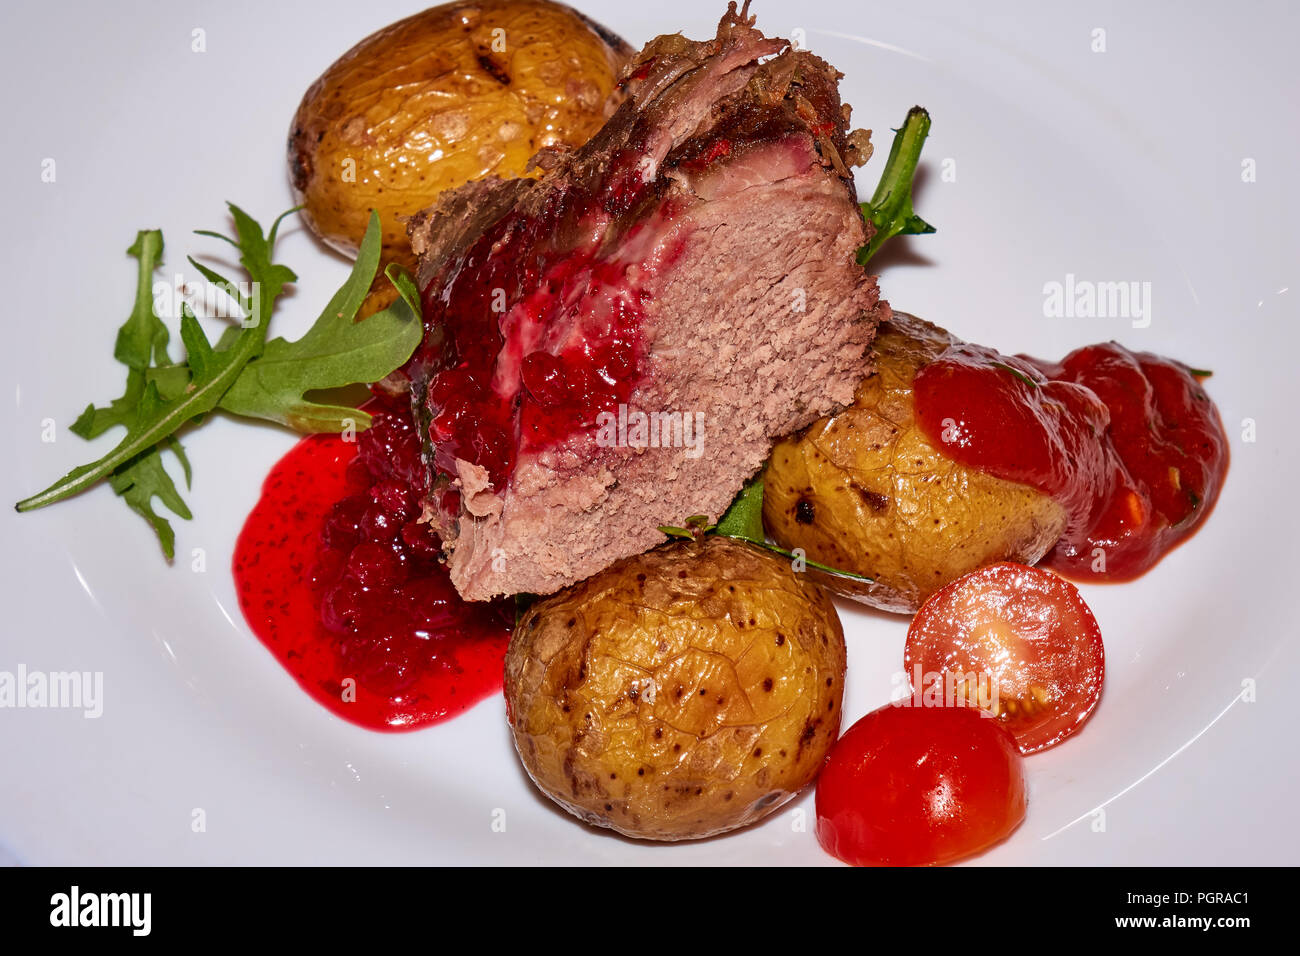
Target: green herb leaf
(243,373)
(336,351)
(157,418)
(890,208)
(141,340)
(744,518)
(144,479)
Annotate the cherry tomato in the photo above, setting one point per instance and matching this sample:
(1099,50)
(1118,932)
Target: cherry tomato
(1031,644)
(914,786)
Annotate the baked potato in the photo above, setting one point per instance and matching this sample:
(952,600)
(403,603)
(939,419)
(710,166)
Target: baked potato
(451,94)
(865,491)
(678,694)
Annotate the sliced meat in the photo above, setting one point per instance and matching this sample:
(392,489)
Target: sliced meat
(615,345)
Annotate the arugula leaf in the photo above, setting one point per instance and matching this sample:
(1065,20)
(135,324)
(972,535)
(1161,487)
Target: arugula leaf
(243,373)
(157,418)
(890,208)
(141,339)
(335,352)
(744,517)
(144,479)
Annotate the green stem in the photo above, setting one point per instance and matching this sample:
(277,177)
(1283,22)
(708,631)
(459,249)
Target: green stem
(890,208)
(904,154)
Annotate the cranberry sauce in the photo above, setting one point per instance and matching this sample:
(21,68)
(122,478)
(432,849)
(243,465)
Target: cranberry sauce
(530,373)
(340,580)
(1128,442)
(539,325)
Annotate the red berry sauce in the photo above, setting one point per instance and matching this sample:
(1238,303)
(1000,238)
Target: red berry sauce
(1128,442)
(527,377)
(340,580)
(539,325)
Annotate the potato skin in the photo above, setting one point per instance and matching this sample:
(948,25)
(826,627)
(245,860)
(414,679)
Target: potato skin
(678,694)
(865,491)
(427,104)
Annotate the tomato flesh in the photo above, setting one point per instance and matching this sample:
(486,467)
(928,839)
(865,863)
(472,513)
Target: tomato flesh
(1018,641)
(917,786)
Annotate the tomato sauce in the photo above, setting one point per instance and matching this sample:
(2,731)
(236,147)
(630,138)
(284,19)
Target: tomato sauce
(1128,442)
(342,582)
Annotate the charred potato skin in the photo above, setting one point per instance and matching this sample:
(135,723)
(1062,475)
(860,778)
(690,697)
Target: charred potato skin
(678,694)
(432,101)
(866,491)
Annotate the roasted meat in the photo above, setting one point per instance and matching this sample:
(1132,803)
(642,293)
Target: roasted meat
(615,345)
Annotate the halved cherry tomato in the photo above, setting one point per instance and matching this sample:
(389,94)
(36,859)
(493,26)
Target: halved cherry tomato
(1031,644)
(915,786)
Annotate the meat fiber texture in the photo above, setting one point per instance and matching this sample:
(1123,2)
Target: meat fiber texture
(722,190)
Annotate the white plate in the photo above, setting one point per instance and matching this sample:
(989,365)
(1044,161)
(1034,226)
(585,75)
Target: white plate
(1111,166)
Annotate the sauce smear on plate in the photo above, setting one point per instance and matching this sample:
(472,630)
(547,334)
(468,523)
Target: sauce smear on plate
(1128,442)
(342,583)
